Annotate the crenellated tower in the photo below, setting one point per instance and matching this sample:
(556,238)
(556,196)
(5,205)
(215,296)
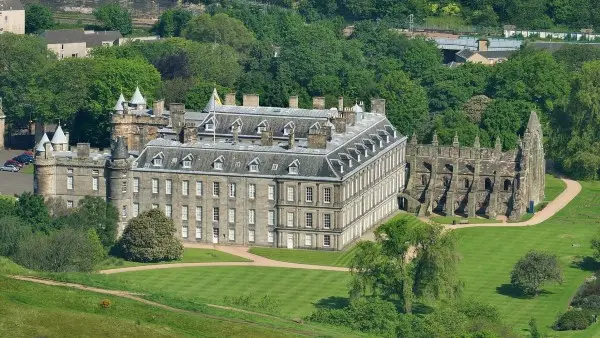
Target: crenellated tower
(44,175)
(118,181)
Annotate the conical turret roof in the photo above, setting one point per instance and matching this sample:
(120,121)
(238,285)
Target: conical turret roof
(119,104)
(59,137)
(120,150)
(43,141)
(356,108)
(137,97)
(214,101)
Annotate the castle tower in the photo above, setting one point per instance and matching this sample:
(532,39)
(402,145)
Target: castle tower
(44,175)
(119,105)
(137,100)
(59,140)
(2,125)
(118,185)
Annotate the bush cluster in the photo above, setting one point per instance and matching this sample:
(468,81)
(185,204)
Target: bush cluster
(574,320)
(584,308)
(266,303)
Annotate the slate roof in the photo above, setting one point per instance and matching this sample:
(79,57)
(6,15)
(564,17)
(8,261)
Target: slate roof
(79,35)
(59,137)
(339,159)
(11,5)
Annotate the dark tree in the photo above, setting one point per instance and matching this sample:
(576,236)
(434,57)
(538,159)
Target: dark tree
(113,17)
(38,18)
(95,213)
(533,270)
(32,209)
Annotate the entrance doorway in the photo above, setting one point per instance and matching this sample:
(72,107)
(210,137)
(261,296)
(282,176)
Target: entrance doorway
(215,235)
(290,241)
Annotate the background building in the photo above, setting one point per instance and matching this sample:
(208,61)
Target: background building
(68,43)
(12,17)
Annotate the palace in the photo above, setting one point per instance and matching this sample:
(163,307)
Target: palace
(283,177)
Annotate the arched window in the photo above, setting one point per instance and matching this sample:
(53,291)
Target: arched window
(423,179)
(507,185)
(488,184)
(466,183)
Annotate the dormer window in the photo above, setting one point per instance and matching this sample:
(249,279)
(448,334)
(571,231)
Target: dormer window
(236,126)
(288,128)
(209,127)
(187,161)
(293,167)
(274,166)
(253,165)
(157,161)
(218,163)
(260,129)
(262,126)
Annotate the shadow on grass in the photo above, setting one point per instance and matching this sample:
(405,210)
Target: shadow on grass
(586,264)
(511,291)
(332,302)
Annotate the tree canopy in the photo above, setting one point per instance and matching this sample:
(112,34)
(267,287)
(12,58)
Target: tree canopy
(113,17)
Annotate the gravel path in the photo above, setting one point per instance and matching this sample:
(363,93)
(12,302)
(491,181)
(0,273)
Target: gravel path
(573,188)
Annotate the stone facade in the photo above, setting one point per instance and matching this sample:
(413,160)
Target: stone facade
(12,17)
(469,181)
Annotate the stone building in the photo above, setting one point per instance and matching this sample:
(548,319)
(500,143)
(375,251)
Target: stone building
(78,43)
(12,17)
(469,181)
(283,177)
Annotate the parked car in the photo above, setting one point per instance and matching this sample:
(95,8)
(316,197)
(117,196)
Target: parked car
(25,159)
(13,162)
(9,168)
(29,153)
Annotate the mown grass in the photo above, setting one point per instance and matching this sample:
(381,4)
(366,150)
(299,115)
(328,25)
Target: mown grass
(489,254)
(33,310)
(450,220)
(190,255)
(296,291)
(28,169)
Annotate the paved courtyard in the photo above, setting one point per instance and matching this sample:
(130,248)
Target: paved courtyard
(14,183)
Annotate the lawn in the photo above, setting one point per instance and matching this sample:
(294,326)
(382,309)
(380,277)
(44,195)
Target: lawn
(554,186)
(190,255)
(488,255)
(449,220)
(28,169)
(331,258)
(295,291)
(33,310)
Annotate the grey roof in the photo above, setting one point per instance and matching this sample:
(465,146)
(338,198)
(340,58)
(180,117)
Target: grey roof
(59,137)
(119,104)
(344,154)
(552,46)
(43,140)
(11,5)
(120,150)
(92,39)
(137,97)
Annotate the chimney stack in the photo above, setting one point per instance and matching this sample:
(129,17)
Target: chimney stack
(341,103)
(340,124)
(378,106)
(189,133)
(230,99)
(293,102)
(83,150)
(319,102)
(292,140)
(266,138)
(251,100)
(177,115)
(350,117)
(317,139)
(158,108)
(482,45)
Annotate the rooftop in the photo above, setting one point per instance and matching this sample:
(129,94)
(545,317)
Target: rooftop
(91,38)
(11,5)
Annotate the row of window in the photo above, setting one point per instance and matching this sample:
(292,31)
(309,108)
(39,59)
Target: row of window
(230,234)
(308,220)
(215,213)
(308,194)
(216,188)
(373,172)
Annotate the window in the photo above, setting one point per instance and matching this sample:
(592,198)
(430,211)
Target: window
(309,194)
(124,187)
(232,190)
(423,179)
(157,162)
(168,210)
(136,209)
(215,214)
(124,211)
(198,188)
(232,234)
(218,165)
(210,127)
(488,184)
(184,231)
(507,185)
(327,221)
(198,232)
(294,170)
(155,185)
(271,193)
(254,167)
(290,219)
(184,212)
(466,183)
(168,187)
(216,188)
(290,194)
(187,163)
(69,204)
(136,184)
(154,206)
(271,217)
(307,240)
(274,166)
(95,183)
(270,236)
(231,215)
(185,188)
(252,191)
(70,182)
(250,235)
(327,195)
(327,240)
(309,220)
(69,170)
(251,216)
(199,214)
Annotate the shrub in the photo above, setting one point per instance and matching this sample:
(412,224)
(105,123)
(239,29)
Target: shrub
(150,237)
(573,320)
(105,303)
(12,231)
(591,302)
(533,270)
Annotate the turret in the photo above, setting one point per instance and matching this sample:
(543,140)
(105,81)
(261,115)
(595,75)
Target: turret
(119,105)
(44,175)
(118,185)
(59,140)
(137,100)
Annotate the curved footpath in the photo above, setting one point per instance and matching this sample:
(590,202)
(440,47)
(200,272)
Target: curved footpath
(573,188)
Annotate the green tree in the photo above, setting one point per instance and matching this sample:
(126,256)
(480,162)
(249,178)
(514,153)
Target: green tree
(406,262)
(219,28)
(507,120)
(38,18)
(596,245)
(32,210)
(421,56)
(13,231)
(535,269)
(150,237)
(96,214)
(573,56)
(534,332)
(172,22)
(113,17)
(452,123)
(7,206)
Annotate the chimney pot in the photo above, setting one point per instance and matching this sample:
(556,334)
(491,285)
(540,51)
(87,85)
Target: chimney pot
(319,102)
(293,102)
(230,99)
(83,150)
(251,100)
(158,108)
